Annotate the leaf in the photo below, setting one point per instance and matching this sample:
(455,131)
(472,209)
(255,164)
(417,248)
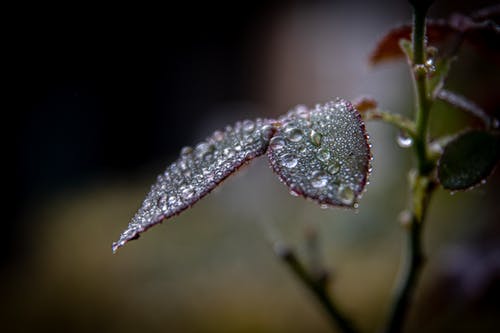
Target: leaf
(485,35)
(388,47)
(468,160)
(322,154)
(365,103)
(198,171)
(328,147)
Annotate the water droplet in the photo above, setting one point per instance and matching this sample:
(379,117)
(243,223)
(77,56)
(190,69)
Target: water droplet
(172,201)
(187,192)
(277,143)
(250,139)
(333,168)
(316,138)
(293,193)
(289,160)
(266,132)
(323,206)
(346,195)
(248,126)
(302,112)
(218,136)
(404,140)
(186,151)
(228,152)
(294,134)
(430,65)
(162,203)
(205,150)
(323,155)
(319,179)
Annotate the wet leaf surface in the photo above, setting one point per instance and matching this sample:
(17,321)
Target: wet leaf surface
(468,160)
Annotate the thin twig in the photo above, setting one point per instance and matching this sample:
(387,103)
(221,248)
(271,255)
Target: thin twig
(399,121)
(317,287)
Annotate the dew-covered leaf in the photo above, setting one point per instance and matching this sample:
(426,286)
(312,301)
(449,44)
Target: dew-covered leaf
(322,154)
(468,160)
(197,171)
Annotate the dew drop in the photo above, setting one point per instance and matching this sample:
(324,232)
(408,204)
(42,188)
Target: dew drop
(289,160)
(187,192)
(204,150)
(162,203)
(404,140)
(323,155)
(277,143)
(248,126)
(266,132)
(294,134)
(294,194)
(319,179)
(186,151)
(315,138)
(333,168)
(346,195)
(218,136)
(228,152)
(431,66)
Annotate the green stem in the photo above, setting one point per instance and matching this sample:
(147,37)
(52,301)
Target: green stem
(402,123)
(421,185)
(422,189)
(319,289)
(423,102)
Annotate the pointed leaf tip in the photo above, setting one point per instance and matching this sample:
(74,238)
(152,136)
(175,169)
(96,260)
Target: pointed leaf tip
(323,154)
(198,171)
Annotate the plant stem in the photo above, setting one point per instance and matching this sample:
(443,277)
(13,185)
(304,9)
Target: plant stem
(422,189)
(399,121)
(319,289)
(422,97)
(421,185)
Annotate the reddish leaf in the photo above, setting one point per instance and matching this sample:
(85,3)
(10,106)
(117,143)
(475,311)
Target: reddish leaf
(485,35)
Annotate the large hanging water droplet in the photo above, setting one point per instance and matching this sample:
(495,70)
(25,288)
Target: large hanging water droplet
(346,195)
(404,140)
(277,143)
(323,155)
(333,167)
(315,138)
(289,160)
(294,134)
(319,179)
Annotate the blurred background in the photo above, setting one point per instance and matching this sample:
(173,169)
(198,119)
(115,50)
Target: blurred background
(105,97)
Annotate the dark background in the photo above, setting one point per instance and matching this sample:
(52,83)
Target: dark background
(101,93)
